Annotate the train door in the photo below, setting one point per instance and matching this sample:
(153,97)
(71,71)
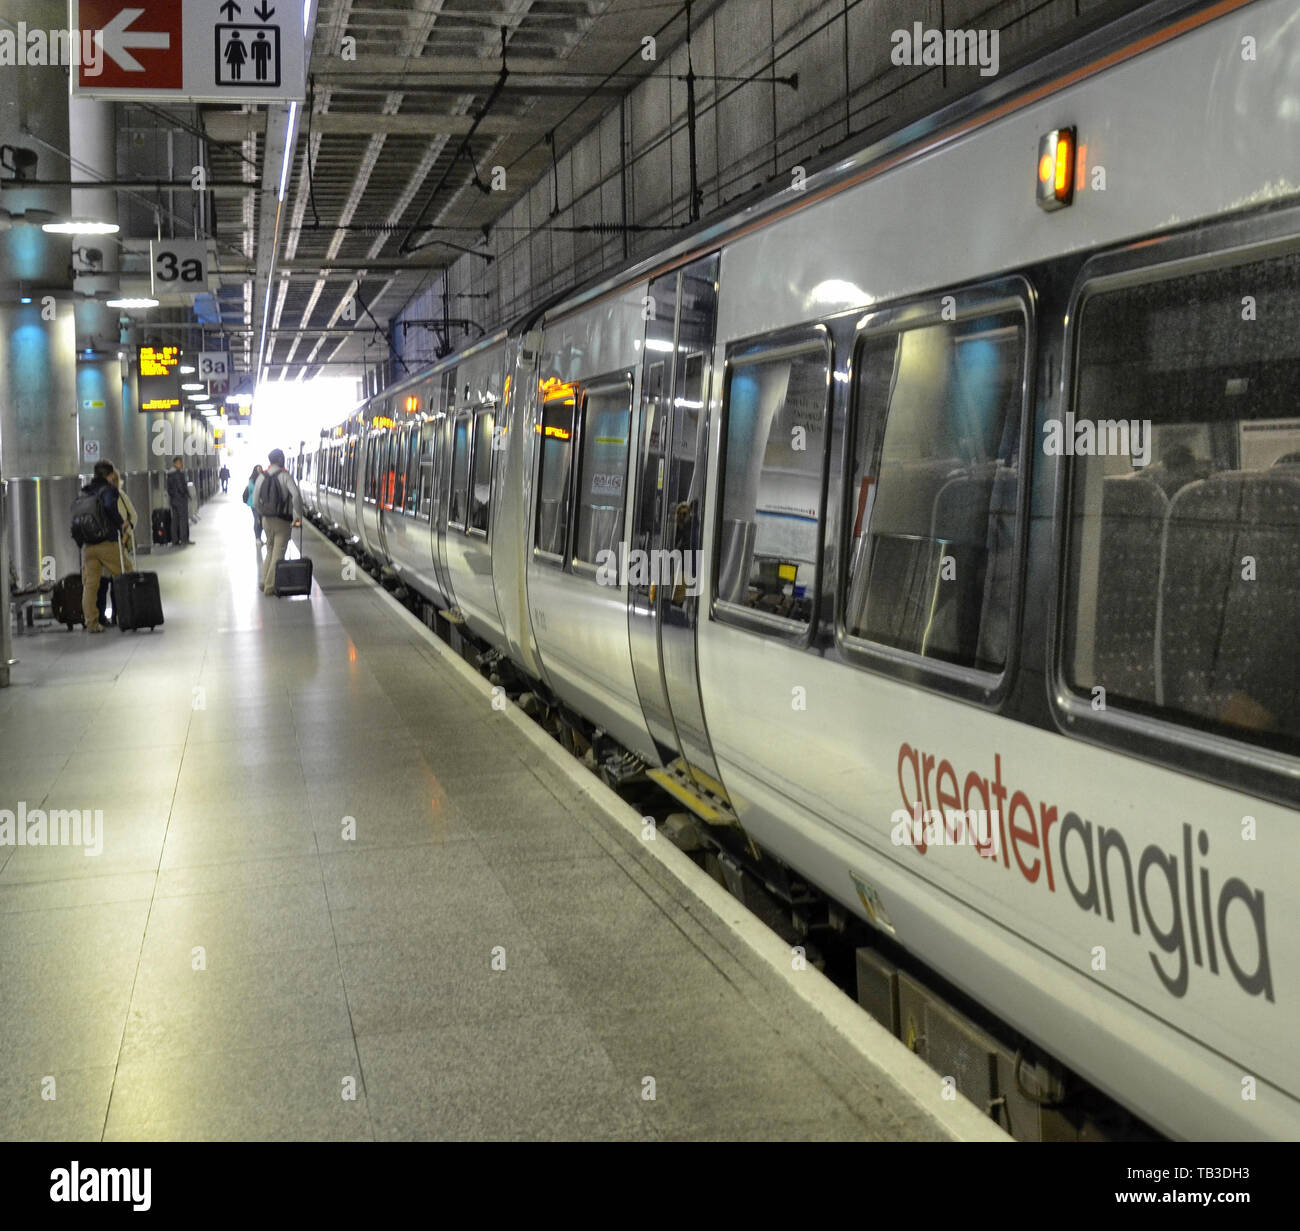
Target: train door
(665,578)
(442,463)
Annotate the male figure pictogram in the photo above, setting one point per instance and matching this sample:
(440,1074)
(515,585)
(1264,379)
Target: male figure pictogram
(261,53)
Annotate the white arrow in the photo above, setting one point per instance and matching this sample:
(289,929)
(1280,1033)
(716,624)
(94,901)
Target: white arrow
(115,38)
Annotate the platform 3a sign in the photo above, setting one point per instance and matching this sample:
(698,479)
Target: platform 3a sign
(202,50)
(178,265)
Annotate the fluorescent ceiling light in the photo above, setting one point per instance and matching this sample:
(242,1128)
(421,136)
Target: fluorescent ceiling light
(81,226)
(141,302)
(186,369)
(191,384)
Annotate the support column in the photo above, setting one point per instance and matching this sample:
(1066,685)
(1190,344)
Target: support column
(39,459)
(93,138)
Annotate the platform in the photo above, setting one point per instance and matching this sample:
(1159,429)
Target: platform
(234,965)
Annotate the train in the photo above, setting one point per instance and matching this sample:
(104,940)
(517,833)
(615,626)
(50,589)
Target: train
(934,523)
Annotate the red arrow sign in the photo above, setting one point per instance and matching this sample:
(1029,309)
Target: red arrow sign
(141,42)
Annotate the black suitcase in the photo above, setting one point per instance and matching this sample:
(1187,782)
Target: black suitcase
(137,602)
(66,600)
(161,521)
(293,577)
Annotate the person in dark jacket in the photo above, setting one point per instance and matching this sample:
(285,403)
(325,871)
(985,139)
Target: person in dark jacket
(277,498)
(127,513)
(224,475)
(102,557)
(178,496)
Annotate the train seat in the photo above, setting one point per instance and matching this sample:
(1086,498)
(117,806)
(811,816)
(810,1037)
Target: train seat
(1133,512)
(1229,635)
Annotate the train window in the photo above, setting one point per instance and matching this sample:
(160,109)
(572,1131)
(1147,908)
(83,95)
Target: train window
(1183,582)
(774,451)
(428,442)
(602,470)
(459,472)
(411,488)
(934,498)
(372,469)
(387,468)
(480,494)
(556,458)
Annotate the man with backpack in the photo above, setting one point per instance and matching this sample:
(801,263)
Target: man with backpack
(178,497)
(97,524)
(277,500)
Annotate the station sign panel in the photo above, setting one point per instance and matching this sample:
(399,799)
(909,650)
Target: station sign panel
(201,50)
(159,378)
(178,265)
(214,365)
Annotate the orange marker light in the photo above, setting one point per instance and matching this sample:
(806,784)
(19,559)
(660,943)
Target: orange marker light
(1056,169)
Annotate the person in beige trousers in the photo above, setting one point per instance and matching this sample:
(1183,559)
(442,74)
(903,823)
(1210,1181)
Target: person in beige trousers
(279,503)
(106,556)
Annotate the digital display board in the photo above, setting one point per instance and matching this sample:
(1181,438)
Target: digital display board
(160,378)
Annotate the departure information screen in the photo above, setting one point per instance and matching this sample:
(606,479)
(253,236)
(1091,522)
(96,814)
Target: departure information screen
(160,378)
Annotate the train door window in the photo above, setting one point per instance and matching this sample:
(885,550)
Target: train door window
(553,467)
(459,472)
(387,470)
(606,420)
(774,480)
(428,442)
(372,469)
(411,482)
(1182,597)
(934,491)
(384,468)
(480,493)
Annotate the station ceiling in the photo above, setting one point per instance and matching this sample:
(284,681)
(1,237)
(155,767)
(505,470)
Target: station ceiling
(412,107)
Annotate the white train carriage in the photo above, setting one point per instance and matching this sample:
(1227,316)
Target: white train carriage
(950,545)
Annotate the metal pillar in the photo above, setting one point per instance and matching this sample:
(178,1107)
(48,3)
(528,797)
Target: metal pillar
(39,460)
(93,149)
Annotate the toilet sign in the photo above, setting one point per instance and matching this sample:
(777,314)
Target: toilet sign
(202,50)
(178,265)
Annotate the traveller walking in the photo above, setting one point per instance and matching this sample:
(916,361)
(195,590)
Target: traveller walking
(277,498)
(248,500)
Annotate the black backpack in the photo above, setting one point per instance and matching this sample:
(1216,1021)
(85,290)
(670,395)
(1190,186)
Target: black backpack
(90,522)
(274,500)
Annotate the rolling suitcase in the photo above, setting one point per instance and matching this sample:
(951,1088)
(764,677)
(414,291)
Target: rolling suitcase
(137,602)
(66,600)
(161,522)
(293,577)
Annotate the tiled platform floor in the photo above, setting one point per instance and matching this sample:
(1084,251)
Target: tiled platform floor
(227,753)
